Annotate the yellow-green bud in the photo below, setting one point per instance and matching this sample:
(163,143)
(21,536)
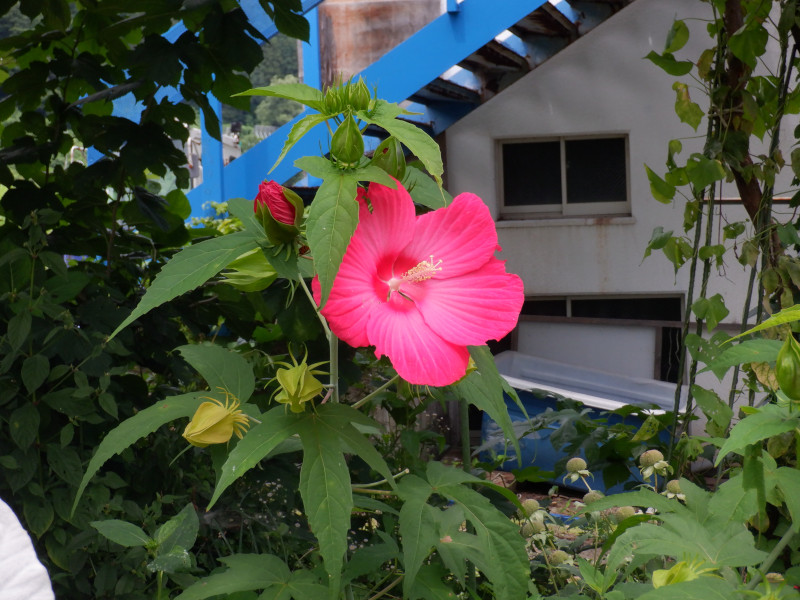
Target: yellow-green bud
(298,386)
(576,464)
(592,496)
(624,512)
(347,145)
(674,486)
(650,457)
(558,557)
(359,95)
(532,528)
(529,507)
(787,367)
(215,423)
(389,156)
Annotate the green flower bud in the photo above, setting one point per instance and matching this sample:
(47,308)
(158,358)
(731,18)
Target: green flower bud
(347,145)
(650,458)
(529,507)
(674,486)
(359,95)
(592,496)
(389,156)
(532,528)
(559,557)
(787,367)
(575,465)
(624,512)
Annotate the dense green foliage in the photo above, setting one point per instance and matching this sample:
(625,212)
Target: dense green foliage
(77,242)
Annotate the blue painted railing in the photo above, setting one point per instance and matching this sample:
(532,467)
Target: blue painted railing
(401,72)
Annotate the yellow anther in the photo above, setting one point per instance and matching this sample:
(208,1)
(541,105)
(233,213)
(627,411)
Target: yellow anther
(424,270)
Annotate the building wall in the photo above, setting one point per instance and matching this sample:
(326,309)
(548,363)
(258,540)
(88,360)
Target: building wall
(599,85)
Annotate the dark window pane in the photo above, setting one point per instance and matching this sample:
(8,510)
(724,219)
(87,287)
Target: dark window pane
(596,170)
(547,308)
(653,309)
(532,173)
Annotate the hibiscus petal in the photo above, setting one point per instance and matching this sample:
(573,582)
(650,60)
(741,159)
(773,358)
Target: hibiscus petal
(419,355)
(461,235)
(472,308)
(348,308)
(390,226)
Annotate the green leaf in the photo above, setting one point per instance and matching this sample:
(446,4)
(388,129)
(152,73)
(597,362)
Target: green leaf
(667,63)
(508,566)
(190,268)
(222,369)
(732,502)
(417,141)
(19,326)
(677,37)
(299,129)
(177,560)
(65,463)
(179,532)
(242,209)
(713,310)
(661,190)
(749,42)
(326,493)
(245,572)
(688,111)
(748,351)
(23,424)
(332,220)
(484,389)
(417,525)
(703,171)
(768,421)
(713,407)
(299,92)
(122,533)
(35,370)
(430,584)
(702,588)
(788,482)
(143,423)
(276,425)
(424,190)
(787,315)
(39,515)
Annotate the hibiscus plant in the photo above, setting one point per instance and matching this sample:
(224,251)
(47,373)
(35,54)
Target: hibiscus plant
(391,262)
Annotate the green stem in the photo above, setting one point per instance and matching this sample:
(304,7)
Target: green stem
(463,413)
(316,308)
(160,584)
(382,481)
(333,346)
(375,392)
(782,543)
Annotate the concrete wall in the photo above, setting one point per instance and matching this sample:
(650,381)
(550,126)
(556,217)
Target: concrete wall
(599,85)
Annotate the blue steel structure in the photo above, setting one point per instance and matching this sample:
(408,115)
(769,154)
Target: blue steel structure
(473,51)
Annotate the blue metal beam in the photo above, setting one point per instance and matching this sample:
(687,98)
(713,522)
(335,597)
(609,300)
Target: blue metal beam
(398,74)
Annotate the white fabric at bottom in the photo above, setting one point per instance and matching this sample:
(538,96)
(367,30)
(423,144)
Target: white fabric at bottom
(22,576)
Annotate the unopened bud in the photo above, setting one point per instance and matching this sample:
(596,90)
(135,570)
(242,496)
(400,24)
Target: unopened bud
(347,145)
(389,156)
(787,367)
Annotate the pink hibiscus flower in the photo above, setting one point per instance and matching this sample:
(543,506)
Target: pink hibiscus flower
(422,289)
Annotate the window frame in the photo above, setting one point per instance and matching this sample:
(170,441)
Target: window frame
(565,209)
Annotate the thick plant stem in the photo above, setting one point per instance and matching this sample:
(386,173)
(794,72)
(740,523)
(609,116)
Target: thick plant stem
(466,460)
(333,345)
(782,543)
(463,413)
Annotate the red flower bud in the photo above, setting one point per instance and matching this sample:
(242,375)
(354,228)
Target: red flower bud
(271,195)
